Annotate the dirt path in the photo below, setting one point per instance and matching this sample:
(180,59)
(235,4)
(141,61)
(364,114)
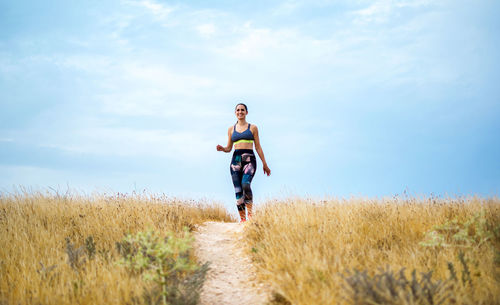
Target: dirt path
(231,278)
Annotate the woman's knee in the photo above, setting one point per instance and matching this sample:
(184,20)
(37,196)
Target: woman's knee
(246,187)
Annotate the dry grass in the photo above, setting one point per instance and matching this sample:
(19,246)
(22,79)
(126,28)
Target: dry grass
(34,260)
(310,250)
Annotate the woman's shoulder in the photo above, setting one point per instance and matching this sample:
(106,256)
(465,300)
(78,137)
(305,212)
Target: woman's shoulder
(253,127)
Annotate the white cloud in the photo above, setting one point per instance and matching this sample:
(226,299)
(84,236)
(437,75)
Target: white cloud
(254,43)
(95,64)
(415,3)
(158,9)
(287,8)
(206,30)
(143,88)
(378,12)
(146,72)
(140,86)
(382,11)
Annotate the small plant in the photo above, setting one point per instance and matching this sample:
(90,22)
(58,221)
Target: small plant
(453,272)
(466,273)
(90,247)
(46,272)
(466,278)
(166,261)
(387,287)
(466,234)
(76,258)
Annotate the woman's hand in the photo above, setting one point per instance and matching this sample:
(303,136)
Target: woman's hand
(267,171)
(220,148)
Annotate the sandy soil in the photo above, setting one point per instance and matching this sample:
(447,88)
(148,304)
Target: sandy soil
(231,278)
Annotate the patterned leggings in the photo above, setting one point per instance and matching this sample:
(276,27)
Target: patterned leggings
(243,166)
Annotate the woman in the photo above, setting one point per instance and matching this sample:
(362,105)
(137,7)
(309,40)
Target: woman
(243,164)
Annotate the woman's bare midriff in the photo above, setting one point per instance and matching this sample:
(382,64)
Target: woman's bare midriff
(243,146)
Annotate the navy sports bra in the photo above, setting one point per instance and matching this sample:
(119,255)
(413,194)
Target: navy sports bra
(242,137)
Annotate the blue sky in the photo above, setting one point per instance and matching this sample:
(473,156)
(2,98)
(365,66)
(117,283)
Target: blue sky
(363,98)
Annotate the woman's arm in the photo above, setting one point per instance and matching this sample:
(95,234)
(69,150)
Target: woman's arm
(258,148)
(229,146)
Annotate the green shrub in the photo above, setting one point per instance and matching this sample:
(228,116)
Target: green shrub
(472,232)
(166,261)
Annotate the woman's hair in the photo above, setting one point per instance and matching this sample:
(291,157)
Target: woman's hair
(246,108)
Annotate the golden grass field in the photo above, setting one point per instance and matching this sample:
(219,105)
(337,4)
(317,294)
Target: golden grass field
(34,265)
(305,249)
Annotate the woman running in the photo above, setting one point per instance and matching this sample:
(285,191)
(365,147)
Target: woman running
(243,164)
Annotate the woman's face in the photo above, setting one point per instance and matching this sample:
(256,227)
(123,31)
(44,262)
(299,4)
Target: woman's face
(241,112)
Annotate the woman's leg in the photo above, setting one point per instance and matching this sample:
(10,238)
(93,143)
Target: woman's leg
(248,173)
(236,176)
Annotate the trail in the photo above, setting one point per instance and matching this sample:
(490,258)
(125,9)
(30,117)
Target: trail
(231,278)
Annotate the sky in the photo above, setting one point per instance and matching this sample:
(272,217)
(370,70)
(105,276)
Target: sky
(351,98)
